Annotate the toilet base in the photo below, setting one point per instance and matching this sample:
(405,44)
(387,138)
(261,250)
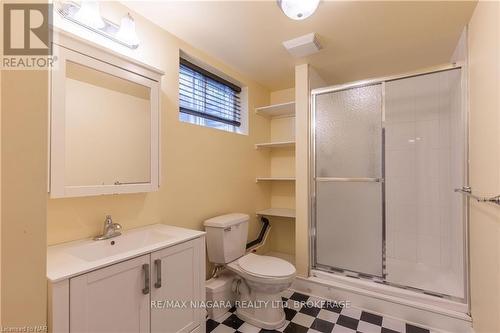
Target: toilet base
(263,309)
(256,320)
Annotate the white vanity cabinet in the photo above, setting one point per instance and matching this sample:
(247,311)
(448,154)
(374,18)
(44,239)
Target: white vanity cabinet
(111,299)
(159,290)
(169,264)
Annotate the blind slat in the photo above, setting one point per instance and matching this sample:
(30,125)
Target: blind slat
(225,115)
(199,83)
(204,96)
(197,94)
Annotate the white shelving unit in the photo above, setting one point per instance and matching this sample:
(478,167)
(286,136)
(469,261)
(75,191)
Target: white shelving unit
(278,212)
(266,179)
(277,110)
(282,144)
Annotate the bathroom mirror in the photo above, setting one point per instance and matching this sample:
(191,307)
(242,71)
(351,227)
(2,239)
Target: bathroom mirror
(104,130)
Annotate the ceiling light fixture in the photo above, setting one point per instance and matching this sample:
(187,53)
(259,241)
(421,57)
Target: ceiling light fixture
(298,9)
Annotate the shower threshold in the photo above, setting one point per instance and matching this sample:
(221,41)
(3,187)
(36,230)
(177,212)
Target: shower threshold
(408,296)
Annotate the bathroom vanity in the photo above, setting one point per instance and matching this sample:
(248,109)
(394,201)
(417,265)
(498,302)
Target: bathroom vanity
(149,279)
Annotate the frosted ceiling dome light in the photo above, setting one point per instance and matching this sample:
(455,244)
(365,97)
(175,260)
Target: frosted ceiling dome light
(298,9)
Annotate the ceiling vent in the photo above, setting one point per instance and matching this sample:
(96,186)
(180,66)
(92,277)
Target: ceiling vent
(303,46)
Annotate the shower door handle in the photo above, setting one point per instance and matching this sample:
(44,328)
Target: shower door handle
(336,179)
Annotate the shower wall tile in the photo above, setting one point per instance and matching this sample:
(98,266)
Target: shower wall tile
(427,133)
(419,126)
(400,135)
(407,218)
(397,108)
(428,220)
(427,190)
(427,162)
(400,163)
(406,246)
(401,190)
(444,132)
(429,250)
(445,252)
(424,158)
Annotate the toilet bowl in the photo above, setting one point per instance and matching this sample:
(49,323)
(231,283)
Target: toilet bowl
(260,279)
(264,278)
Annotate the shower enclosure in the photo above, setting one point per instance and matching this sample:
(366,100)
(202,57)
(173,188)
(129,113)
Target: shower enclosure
(386,157)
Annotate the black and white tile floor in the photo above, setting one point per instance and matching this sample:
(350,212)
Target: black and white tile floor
(305,318)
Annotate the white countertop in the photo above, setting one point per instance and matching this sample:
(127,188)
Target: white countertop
(74,258)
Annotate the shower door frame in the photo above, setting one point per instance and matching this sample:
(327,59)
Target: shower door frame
(312,174)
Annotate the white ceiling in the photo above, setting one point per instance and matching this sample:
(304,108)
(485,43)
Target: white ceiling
(360,39)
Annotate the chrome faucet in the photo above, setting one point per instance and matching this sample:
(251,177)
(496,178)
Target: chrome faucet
(110,229)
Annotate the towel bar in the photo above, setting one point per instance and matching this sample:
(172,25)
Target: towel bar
(466,190)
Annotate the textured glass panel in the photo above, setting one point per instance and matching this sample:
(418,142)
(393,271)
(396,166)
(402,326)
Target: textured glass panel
(424,163)
(349,226)
(348,133)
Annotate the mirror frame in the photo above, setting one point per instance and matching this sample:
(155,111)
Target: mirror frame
(71,48)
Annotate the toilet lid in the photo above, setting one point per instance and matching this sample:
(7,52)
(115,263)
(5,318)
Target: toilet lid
(266,265)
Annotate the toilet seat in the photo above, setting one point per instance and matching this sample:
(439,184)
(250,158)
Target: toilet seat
(266,266)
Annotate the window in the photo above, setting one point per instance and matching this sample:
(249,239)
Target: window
(207,99)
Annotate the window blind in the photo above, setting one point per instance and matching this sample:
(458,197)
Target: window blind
(204,94)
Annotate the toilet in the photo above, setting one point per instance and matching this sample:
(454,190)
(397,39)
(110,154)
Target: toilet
(259,279)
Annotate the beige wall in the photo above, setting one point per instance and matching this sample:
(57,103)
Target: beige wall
(484,85)
(24,176)
(205,172)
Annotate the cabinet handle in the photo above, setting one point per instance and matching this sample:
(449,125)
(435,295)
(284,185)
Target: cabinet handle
(158,273)
(145,269)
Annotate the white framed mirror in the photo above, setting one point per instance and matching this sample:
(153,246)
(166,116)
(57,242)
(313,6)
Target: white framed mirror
(104,123)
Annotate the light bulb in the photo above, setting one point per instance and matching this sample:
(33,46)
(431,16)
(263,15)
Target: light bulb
(298,9)
(90,15)
(127,33)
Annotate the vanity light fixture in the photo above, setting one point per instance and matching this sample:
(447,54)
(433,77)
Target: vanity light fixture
(298,9)
(90,15)
(87,15)
(127,32)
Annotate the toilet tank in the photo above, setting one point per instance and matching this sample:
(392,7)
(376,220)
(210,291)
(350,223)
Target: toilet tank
(226,237)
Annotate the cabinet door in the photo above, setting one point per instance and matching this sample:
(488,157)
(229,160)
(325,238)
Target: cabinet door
(112,299)
(177,277)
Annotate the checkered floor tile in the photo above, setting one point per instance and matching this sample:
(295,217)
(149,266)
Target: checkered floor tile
(330,318)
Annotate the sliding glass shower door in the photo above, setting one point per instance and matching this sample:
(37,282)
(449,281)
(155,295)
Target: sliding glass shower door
(386,158)
(348,180)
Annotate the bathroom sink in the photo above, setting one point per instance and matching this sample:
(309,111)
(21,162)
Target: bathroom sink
(71,259)
(130,241)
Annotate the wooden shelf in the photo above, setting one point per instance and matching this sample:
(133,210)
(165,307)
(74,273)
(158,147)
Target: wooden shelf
(276,110)
(265,179)
(279,212)
(282,144)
